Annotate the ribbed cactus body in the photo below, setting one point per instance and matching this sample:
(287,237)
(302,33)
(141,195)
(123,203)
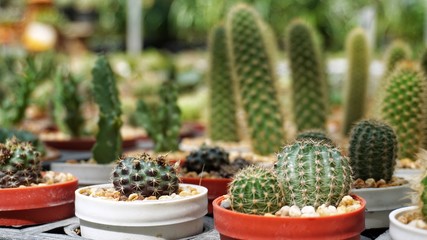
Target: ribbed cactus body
(315,135)
(423,197)
(254,75)
(423,62)
(357,49)
(207,159)
(313,173)
(309,86)
(373,150)
(398,51)
(222,115)
(255,190)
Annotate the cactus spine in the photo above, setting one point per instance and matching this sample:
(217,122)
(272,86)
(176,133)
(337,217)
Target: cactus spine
(222,116)
(373,150)
(315,135)
(254,76)
(357,78)
(309,85)
(108,144)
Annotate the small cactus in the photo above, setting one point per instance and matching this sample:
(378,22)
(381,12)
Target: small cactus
(423,62)
(398,51)
(206,159)
(23,136)
(315,135)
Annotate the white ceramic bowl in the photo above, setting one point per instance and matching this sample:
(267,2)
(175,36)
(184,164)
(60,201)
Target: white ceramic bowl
(399,231)
(87,173)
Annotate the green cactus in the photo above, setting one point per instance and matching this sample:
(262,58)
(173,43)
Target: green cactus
(254,76)
(404,106)
(207,159)
(315,135)
(309,85)
(373,150)
(19,164)
(23,136)
(145,176)
(313,173)
(423,197)
(358,55)
(223,124)
(108,146)
(255,190)
(423,62)
(395,53)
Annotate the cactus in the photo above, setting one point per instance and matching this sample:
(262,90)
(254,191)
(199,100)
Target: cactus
(222,116)
(309,85)
(315,135)
(206,159)
(23,136)
(423,62)
(254,76)
(313,173)
(108,144)
(373,150)
(398,51)
(255,190)
(145,176)
(404,106)
(357,78)
(20,164)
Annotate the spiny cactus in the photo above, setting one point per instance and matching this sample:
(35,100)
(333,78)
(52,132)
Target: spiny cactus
(404,108)
(145,176)
(313,173)
(398,51)
(108,144)
(19,164)
(309,86)
(423,62)
(222,115)
(373,150)
(357,48)
(255,190)
(423,197)
(254,76)
(207,158)
(23,136)
(315,135)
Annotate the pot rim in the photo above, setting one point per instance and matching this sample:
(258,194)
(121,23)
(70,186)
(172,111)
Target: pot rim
(380,189)
(393,220)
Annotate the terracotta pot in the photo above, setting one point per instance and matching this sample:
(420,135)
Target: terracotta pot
(399,230)
(37,204)
(234,225)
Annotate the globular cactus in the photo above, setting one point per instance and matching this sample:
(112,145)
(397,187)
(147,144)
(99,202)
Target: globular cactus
(358,55)
(255,190)
(19,164)
(223,124)
(309,85)
(23,136)
(373,150)
(423,62)
(398,51)
(255,78)
(313,173)
(207,158)
(145,176)
(315,135)
(423,197)
(108,146)
(404,108)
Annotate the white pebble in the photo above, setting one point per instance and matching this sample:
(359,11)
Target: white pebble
(165,197)
(322,210)
(341,209)
(283,212)
(308,210)
(294,211)
(314,214)
(346,201)
(332,209)
(226,203)
(413,223)
(421,224)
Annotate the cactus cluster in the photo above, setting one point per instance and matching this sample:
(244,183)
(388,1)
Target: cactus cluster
(145,176)
(23,136)
(19,164)
(206,158)
(373,150)
(315,135)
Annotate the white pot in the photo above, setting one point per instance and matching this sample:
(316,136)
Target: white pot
(400,231)
(157,219)
(381,201)
(87,173)
(412,175)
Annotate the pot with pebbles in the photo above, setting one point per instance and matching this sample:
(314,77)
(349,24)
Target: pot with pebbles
(144,201)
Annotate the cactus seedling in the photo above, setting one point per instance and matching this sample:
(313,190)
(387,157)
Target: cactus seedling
(206,159)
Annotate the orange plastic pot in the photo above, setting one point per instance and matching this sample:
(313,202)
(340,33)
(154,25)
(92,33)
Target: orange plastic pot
(234,225)
(37,204)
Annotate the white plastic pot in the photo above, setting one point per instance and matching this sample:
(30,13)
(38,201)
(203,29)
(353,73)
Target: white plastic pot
(412,175)
(157,219)
(87,173)
(400,231)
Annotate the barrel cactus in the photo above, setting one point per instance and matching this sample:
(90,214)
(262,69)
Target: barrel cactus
(313,173)
(423,62)
(315,135)
(398,51)
(145,176)
(373,150)
(207,158)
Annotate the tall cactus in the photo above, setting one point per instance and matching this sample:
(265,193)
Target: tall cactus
(309,85)
(397,51)
(358,56)
(108,144)
(222,115)
(373,150)
(254,76)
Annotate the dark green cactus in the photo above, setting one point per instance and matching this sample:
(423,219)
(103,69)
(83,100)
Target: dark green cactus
(108,146)
(423,197)
(358,55)
(398,51)
(255,190)
(207,159)
(313,173)
(315,135)
(255,78)
(145,176)
(222,115)
(373,150)
(23,136)
(423,62)
(404,108)
(19,164)
(309,85)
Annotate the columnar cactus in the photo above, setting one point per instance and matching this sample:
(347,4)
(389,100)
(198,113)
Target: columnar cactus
(255,190)
(373,150)
(145,176)
(108,144)
(398,51)
(222,115)
(19,164)
(313,173)
(207,159)
(254,76)
(309,85)
(315,135)
(357,48)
